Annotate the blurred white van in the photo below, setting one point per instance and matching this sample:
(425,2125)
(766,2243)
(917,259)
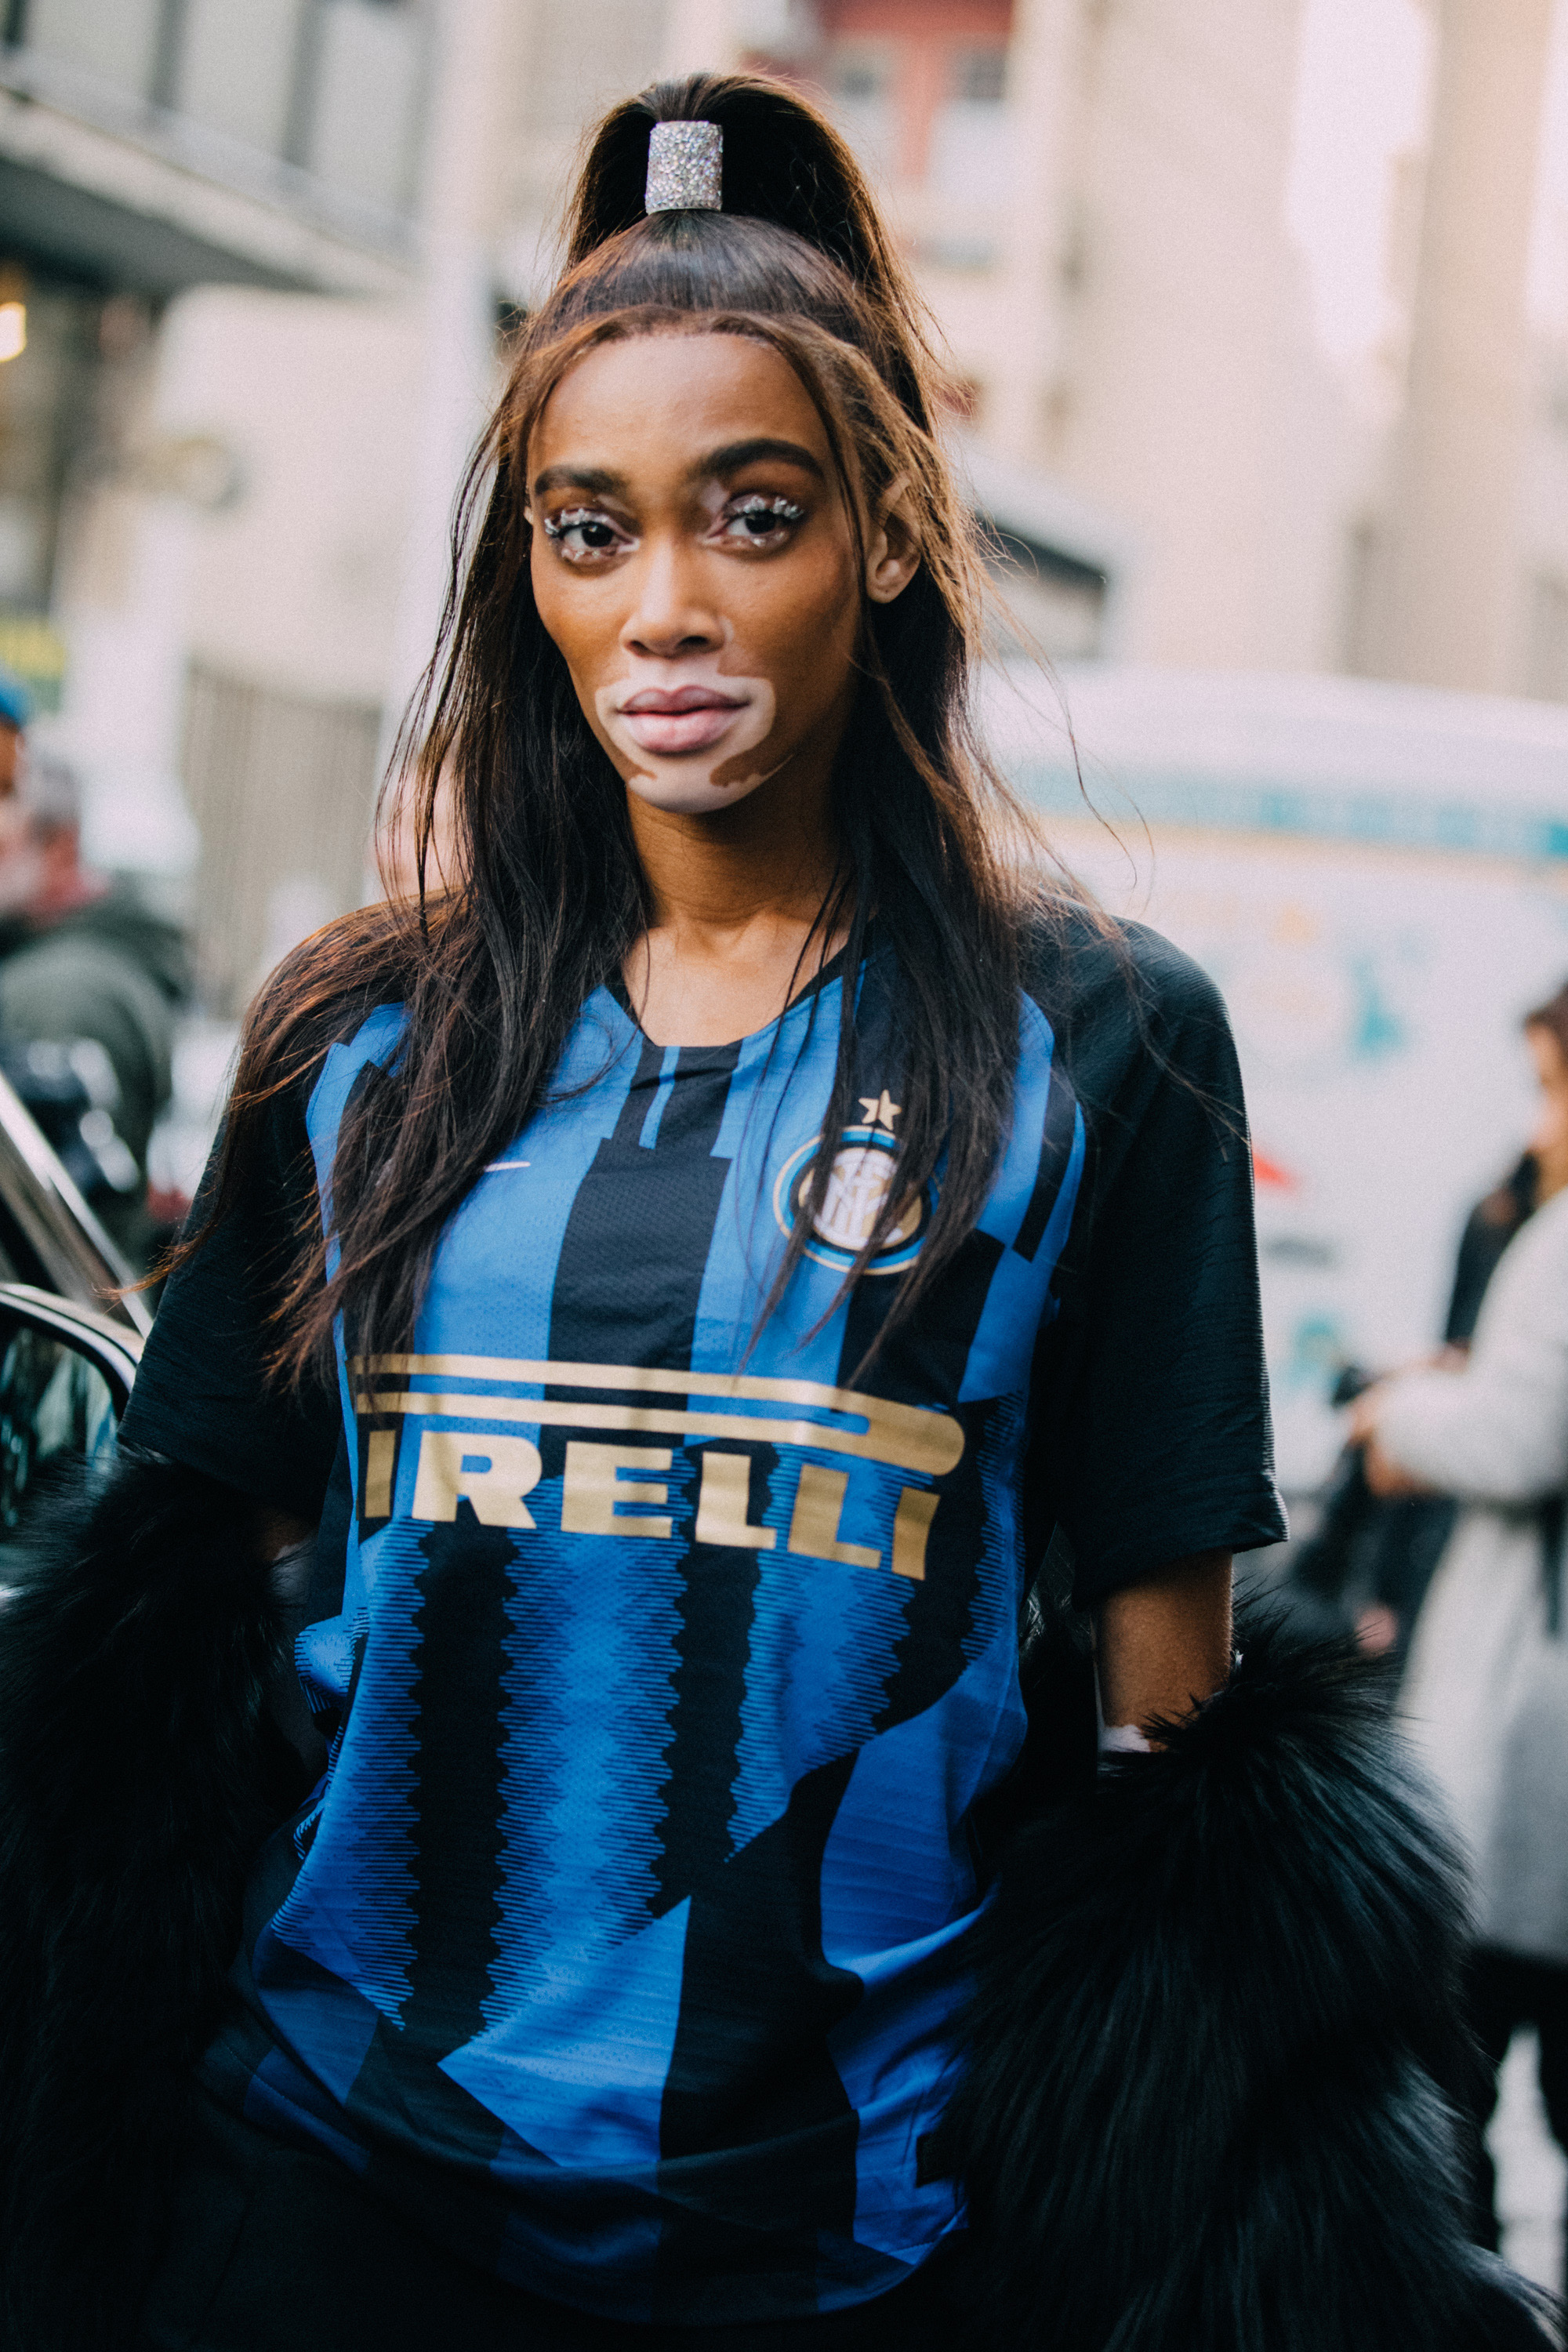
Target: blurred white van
(1377,877)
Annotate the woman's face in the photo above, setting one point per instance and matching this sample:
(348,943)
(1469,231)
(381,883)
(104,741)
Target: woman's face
(693,560)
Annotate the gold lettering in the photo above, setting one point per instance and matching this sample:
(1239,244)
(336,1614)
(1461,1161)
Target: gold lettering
(380,1459)
(592,1492)
(911,1526)
(906,1437)
(813,1522)
(493,1473)
(721,1503)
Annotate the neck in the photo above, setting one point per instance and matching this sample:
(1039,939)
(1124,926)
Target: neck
(768,861)
(735,898)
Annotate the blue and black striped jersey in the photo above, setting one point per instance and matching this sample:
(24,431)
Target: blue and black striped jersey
(665,1652)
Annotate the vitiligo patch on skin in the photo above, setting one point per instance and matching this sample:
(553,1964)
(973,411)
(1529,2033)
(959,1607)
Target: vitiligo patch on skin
(692,783)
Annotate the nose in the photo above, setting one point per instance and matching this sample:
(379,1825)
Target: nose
(670,613)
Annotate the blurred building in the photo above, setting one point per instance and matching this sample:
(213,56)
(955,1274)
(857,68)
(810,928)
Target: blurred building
(151,153)
(1259,320)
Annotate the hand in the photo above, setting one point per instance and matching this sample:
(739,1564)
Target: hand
(1387,1478)
(1362,1427)
(1377,1628)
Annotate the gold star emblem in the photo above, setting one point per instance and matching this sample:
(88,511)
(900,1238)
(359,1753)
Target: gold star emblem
(880,1112)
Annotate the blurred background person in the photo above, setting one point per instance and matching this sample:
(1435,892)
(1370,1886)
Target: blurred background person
(1485,1690)
(1374,1554)
(91,983)
(1540,1172)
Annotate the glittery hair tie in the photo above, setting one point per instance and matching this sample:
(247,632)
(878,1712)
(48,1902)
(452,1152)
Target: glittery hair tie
(684,168)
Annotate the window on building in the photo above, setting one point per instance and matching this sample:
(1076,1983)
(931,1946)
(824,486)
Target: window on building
(919,86)
(116,45)
(980,76)
(331,86)
(238,67)
(971,145)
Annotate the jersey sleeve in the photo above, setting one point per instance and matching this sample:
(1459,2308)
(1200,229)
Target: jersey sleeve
(203,1394)
(1152,1430)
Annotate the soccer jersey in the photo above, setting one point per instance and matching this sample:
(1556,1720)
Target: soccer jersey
(664,1651)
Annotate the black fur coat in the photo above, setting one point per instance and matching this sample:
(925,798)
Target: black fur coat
(1203,2105)
(137,1641)
(1213,2060)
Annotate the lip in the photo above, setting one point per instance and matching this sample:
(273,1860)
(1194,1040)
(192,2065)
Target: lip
(670,702)
(684,719)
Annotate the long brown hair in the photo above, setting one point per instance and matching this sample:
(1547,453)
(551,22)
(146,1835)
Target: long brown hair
(542,896)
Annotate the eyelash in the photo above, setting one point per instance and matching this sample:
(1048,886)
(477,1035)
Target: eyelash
(784,511)
(577,519)
(784,515)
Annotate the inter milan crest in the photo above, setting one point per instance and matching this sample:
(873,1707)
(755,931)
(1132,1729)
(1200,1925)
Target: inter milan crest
(858,1185)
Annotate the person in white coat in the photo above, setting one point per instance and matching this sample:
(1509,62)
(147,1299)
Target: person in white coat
(1486,1692)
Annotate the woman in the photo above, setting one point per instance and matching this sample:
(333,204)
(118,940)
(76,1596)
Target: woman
(655,1302)
(1390,1542)
(1541,1172)
(1486,1690)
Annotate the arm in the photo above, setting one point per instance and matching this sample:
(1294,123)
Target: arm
(1496,1432)
(1149,1400)
(1153,1456)
(1163,1647)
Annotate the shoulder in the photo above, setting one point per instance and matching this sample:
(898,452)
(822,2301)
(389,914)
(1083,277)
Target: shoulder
(1076,961)
(350,974)
(1123,1003)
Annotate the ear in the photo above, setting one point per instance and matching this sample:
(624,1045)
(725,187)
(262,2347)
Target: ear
(893,551)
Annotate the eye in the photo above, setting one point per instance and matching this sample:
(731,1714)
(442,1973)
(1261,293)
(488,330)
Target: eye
(583,532)
(755,519)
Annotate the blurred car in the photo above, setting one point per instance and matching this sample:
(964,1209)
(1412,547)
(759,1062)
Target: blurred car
(69,1335)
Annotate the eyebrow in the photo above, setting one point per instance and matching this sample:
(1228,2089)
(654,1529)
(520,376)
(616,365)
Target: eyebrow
(579,477)
(601,481)
(736,454)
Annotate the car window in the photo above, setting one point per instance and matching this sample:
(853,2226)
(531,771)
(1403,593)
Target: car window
(54,1407)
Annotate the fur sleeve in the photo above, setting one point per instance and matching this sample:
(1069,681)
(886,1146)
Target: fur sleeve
(137,1638)
(1216,2005)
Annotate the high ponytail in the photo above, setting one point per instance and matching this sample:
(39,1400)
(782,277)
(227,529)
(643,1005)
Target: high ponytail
(784,164)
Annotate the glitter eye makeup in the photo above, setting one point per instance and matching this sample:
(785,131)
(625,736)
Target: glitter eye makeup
(761,517)
(581,531)
(752,520)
